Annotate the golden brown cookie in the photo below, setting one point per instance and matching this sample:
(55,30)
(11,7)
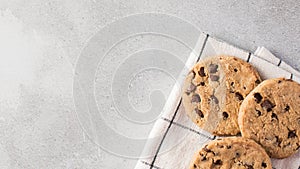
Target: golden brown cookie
(270,115)
(231,153)
(214,90)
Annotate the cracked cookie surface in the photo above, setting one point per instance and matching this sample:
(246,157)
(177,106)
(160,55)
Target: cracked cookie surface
(214,90)
(231,153)
(270,115)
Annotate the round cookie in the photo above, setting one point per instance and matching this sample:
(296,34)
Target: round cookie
(270,115)
(231,153)
(214,90)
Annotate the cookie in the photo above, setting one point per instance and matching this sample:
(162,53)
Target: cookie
(270,115)
(214,90)
(231,153)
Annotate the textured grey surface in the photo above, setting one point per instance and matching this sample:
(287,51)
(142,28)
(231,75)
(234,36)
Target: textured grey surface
(40,42)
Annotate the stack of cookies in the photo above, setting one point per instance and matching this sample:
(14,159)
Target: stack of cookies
(258,119)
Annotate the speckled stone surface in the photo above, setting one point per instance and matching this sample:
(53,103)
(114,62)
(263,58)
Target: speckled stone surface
(40,42)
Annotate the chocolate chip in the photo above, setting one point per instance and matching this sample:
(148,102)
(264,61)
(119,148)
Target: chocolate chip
(213,68)
(195,166)
(206,149)
(196,98)
(287,145)
(225,115)
(248,166)
(214,77)
(199,112)
(239,96)
(298,147)
(201,72)
(263,164)
(279,81)
(258,112)
(278,140)
(203,158)
(232,83)
(235,70)
(202,83)
(267,104)
(191,88)
(229,147)
(257,97)
(274,116)
(287,108)
(237,155)
(218,162)
(292,134)
(213,98)
(194,74)
(257,81)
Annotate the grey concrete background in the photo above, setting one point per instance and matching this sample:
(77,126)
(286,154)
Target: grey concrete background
(40,42)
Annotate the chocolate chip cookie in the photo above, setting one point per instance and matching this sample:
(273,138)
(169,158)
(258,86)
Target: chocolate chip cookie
(270,115)
(231,153)
(214,90)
